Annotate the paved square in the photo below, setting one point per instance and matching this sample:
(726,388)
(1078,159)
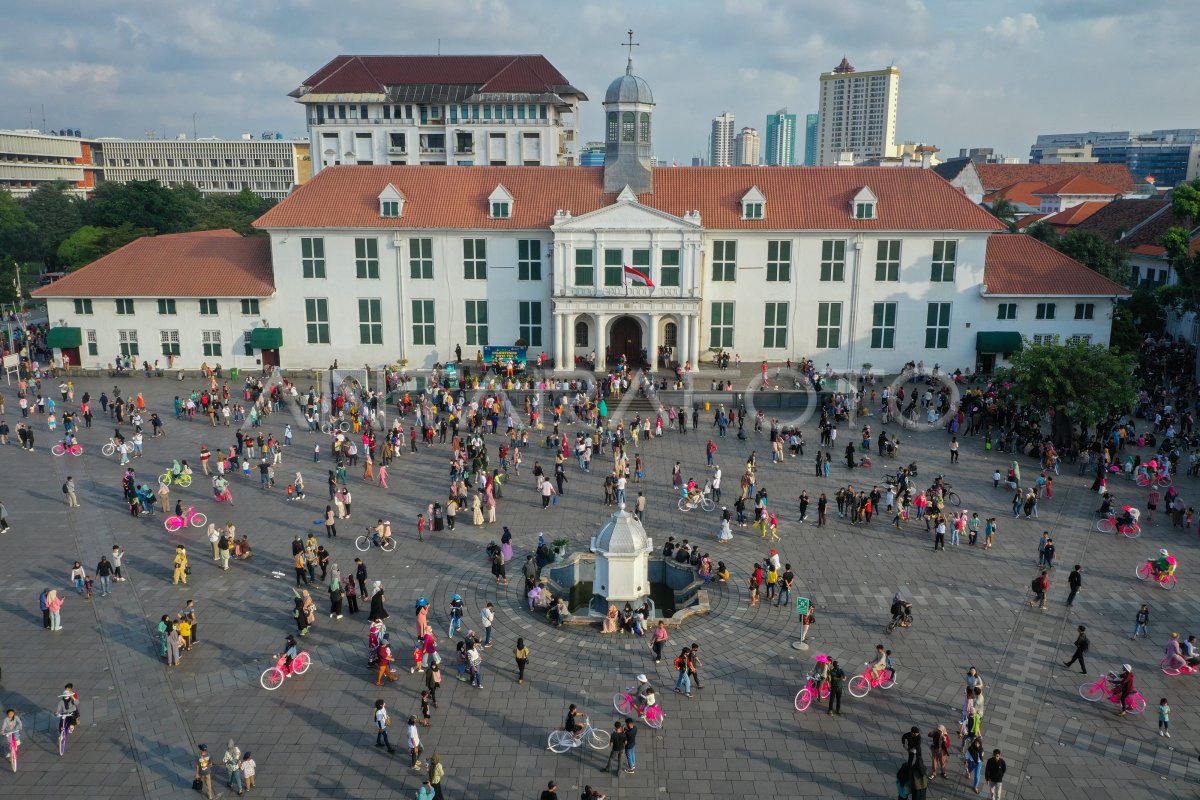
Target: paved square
(739,736)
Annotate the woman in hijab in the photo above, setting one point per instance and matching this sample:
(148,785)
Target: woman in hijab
(627,619)
(506,544)
(610,620)
(476,511)
(377,610)
(335,593)
(174,646)
(164,627)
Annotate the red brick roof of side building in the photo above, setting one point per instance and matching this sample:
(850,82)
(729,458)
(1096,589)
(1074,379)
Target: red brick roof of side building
(1018,264)
(997,176)
(489,73)
(220,263)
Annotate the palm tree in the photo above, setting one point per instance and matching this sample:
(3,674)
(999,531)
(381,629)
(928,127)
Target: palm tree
(1005,210)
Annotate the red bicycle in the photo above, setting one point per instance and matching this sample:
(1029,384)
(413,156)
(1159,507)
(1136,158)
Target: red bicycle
(627,703)
(860,685)
(1092,692)
(273,677)
(1170,666)
(1146,572)
(809,694)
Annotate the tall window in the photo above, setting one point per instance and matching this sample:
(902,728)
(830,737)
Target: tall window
(208,307)
(316,317)
(210,341)
(370,321)
(531,323)
(612,126)
(477,322)
(945,254)
(720,332)
(671,335)
(475,259)
(83,306)
(166,306)
(129,343)
(627,123)
(1045,311)
(124,307)
(1006,311)
(312,257)
(669,275)
(420,259)
(585,270)
(614,267)
(366,258)
(1085,310)
(833,260)
(641,262)
(779,261)
(529,259)
(937,326)
(775,325)
(829,325)
(250,307)
(724,264)
(581,334)
(93,346)
(170,342)
(887,260)
(883,326)
(424,329)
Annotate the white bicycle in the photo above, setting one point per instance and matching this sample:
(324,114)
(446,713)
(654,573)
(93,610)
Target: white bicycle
(561,741)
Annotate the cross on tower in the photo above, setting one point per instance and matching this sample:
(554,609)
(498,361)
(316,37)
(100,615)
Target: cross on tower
(630,44)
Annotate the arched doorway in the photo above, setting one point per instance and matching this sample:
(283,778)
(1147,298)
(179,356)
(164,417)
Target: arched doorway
(625,339)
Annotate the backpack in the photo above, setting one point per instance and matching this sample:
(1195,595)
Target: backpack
(1036,585)
(679,662)
(64,488)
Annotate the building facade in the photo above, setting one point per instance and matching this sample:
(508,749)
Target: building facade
(269,167)
(29,159)
(721,141)
(592,155)
(459,110)
(812,136)
(1167,157)
(857,113)
(781,139)
(374,264)
(747,148)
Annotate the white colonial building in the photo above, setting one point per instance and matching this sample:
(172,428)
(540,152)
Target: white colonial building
(847,266)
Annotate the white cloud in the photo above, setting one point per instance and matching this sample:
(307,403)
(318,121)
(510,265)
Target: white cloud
(76,74)
(1023,29)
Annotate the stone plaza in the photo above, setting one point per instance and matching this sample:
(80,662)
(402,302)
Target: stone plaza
(739,736)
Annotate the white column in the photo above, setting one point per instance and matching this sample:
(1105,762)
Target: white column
(559,349)
(682,354)
(652,350)
(601,341)
(568,341)
(694,339)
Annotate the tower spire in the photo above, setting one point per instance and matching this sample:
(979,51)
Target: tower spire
(630,44)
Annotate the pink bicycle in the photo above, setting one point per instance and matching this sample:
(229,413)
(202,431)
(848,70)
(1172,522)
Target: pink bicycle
(1170,666)
(1108,524)
(75,449)
(627,703)
(860,685)
(190,517)
(1145,479)
(1146,572)
(273,677)
(809,694)
(1092,692)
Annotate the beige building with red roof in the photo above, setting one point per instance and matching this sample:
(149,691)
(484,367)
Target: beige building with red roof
(847,266)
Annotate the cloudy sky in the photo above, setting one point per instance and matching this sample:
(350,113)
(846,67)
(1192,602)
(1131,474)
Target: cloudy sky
(973,73)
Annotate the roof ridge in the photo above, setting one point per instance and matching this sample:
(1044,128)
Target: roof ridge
(1166,207)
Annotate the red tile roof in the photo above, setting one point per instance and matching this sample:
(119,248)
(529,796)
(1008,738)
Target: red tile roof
(798,198)
(203,264)
(996,176)
(1029,219)
(1076,184)
(503,73)
(1070,217)
(1016,263)
(1022,192)
(1143,217)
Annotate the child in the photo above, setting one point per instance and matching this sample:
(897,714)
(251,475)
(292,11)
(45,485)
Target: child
(1164,718)
(425,708)
(87,586)
(246,467)
(316,453)
(996,479)
(891,670)
(185,630)
(420,527)
(248,770)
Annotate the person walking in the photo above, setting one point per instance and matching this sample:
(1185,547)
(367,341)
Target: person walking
(616,745)
(69,491)
(659,639)
(382,721)
(487,616)
(104,572)
(1081,647)
(414,743)
(54,605)
(631,733)
(1141,623)
(1040,585)
(203,782)
(1075,581)
(975,762)
(993,773)
(437,774)
(233,766)
(181,565)
(521,654)
(837,683)
(683,683)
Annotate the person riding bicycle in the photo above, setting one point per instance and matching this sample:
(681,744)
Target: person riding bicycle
(575,721)
(1129,518)
(819,674)
(12,726)
(1164,565)
(290,651)
(1122,685)
(643,695)
(878,663)
(68,707)
(900,609)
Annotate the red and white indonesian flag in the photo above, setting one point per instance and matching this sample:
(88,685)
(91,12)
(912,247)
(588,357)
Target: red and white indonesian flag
(637,276)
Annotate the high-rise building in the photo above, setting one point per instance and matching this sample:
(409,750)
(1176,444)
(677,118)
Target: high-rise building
(464,110)
(747,148)
(721,143)
(1169,157)
(857,114)
(812,125)
(30,158)
(592,154)
(781,139)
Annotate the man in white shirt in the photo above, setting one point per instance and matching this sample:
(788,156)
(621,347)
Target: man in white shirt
(487,616)
(621,481)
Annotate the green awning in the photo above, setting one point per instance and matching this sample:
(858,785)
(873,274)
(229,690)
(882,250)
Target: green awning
(266,338)
(998,341)
(64,337)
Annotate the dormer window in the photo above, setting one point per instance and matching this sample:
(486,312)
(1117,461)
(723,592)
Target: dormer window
(754,204)
(500,203)
(391,203)
(863,204)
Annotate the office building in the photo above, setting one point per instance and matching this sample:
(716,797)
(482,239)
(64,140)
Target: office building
(29,159)
(721,141)
(781,139)
(812,130)
(857,114)
(463,110)
(1164,157)
(378,264)
(747,148)
(592,154)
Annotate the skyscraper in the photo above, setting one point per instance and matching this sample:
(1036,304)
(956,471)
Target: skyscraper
(857,113)
(781,139)
(747,148)
(1170,156)
(812,124)
(721,145)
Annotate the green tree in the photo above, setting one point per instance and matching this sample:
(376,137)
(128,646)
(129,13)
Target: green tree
(144,204)
(1043,233)
(1005,210)
(236,211)
(1177,241)
(1094,251)
(16,232)
(91,242)
(1087,383)
(54,215)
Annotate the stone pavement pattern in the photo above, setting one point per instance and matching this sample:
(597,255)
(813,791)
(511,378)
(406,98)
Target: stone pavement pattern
(314,736)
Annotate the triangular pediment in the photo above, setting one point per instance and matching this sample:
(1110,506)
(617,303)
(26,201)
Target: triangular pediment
(755,195)
(500,195)
(390,192)
(626,215)
(627,196)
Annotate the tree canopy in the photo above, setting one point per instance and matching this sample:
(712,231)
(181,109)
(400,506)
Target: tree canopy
(1090,383)
(91,242)
(1185,203)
